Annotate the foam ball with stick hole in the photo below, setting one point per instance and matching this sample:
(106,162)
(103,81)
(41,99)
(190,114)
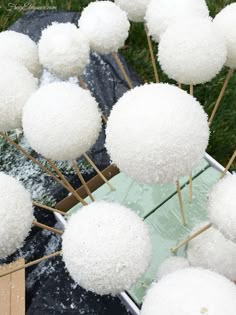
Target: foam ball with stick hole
(161,14)
(61,121)
(64,50)
(192,51)
(157,133)
(17,84)
(106,247)
(172,264)
(136,9)
(16,215)
(191,291)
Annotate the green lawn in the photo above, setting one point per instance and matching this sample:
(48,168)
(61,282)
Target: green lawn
(223,130)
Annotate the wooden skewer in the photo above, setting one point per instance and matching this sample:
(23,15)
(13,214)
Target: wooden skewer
(191,176)
(36,204)
(181,202)
(122,69)
(229,164)
(229,75)
(77,170)
(46,227)
(152,55)
(191,237)
(98,171)
(29,264)
(180,85)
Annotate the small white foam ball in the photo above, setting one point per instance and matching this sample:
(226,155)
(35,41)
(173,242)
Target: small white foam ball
(16,86)
(105,25)
(191,291)
(213,251)
(21,48)
(64,50)
(136,9)
(192,51)
(225,21)
(61,121)
(106,247)
(161,14)
(172,264)
(16,215)
(157,133)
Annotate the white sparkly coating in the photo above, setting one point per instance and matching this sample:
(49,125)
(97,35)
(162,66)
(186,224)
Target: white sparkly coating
(61,121)
(21,48)
(192,51)
(213,251)
(64,50)
(191,291)
(172,264)
(162,13)
(106,247)
(105,25)
(222,206)
(136,9)
(157,133)
(16,215)
(225,21)
(16,86)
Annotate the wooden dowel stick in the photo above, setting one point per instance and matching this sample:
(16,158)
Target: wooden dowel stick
(29,264)
(181,202)
(154,65)
(229,75)
(98,171)
(191,237)
(36,204)
(46,227)
(179,85)
(77,170)
(229,164)
(191,176)
(122,69)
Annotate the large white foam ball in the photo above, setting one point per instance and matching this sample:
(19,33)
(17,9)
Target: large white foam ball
(64,50)
(192,51)
(22,49)
(191,291)
(162,13)
(172,264)
(106,247)
(16,86)
(157,133)
(225,21)
(105,25)
(16,215)
(213,251)
(136,9)
(61,121)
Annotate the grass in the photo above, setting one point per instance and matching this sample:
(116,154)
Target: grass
(223,130)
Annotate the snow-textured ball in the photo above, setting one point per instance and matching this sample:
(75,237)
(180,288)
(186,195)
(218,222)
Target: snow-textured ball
(225,21)
(213,251)
(64,50)
(157,133)
(136,9)
(162,13)
(192,51)
(61,121)
(191,291)
(16,215)
(16,86)
(172,264)
(22,49)
(106,247)
(105,25)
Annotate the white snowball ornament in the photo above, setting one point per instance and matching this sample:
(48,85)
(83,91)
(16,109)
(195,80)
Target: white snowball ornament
(157,133)
(106,247)
(162,13)
(105,25)
(21,48)
(16,215)
(136,9)
(64,50)
(213,251)
(61,121)
(172,264)
(191,291)
(192,51)
(225,21)
(16,86)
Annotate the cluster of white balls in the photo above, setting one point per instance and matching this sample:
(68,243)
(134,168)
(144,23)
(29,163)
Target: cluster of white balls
(136,9)
(106,247)
(16,215)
